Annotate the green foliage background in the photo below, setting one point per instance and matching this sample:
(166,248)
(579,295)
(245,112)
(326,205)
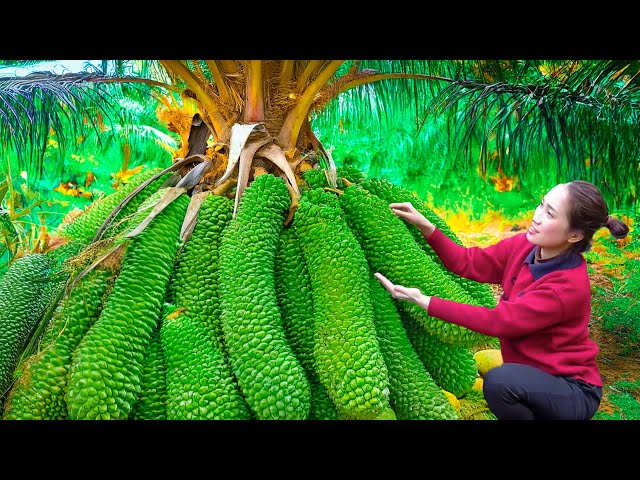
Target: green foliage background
(402,147)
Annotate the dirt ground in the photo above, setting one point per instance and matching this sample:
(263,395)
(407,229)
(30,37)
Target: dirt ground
(613,365)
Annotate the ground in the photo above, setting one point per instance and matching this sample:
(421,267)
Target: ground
(613,365)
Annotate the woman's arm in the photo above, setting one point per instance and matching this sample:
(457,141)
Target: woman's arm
(482,265)
(525,314)
(485,265)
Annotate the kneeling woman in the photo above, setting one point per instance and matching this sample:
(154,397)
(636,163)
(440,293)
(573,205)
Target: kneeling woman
(542,319)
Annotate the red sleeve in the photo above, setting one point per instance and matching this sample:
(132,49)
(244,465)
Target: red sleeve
(484,265)
(509,319)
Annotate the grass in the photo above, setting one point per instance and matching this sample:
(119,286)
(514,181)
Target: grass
(622,402)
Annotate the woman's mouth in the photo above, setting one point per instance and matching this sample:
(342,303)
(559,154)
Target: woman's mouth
(532,230)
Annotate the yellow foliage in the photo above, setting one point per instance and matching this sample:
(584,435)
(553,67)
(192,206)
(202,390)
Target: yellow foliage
(90,179)
(502,183)
(492,222)
(561,72)
(101,125)
(44,239)
(178,115)
(71,189)
(175,314)
(121,176)
(477,70)
(624,241)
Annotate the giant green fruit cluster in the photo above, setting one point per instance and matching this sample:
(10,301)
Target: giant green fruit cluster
(249,317)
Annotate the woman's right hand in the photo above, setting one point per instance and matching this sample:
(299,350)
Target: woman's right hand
(409,213)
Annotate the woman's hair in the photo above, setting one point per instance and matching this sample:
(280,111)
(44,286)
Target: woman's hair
(588,211)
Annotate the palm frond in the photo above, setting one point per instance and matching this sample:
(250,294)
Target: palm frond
(565,118)
(586,108)
(516,115)
(32,106)
(36,105)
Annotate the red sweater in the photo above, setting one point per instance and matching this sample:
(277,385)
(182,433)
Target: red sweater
(543,316)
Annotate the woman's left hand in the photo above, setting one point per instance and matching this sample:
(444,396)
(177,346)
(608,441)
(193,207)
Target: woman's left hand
(413,295)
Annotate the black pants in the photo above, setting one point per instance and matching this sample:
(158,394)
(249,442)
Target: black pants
(514,391)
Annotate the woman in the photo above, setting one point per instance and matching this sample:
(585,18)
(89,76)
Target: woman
(542,319)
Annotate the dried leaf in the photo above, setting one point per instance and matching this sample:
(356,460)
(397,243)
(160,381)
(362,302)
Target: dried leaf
(71,189)
(331,174)
(89,179)
(246,158)
(117,249)
(239,136)
(121,176)
(175,314)
(193,177)
(276,155)
(192,215)
(168,196)
(179,163)
(4,186)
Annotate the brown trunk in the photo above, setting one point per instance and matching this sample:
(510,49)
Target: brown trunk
(198,136)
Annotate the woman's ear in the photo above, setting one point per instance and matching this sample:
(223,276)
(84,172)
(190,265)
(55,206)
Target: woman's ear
(575,236)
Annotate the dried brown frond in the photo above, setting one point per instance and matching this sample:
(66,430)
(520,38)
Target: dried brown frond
(89,254)
(114,261)
(236,84)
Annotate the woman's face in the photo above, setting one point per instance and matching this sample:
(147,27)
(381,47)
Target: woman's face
(550,226)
